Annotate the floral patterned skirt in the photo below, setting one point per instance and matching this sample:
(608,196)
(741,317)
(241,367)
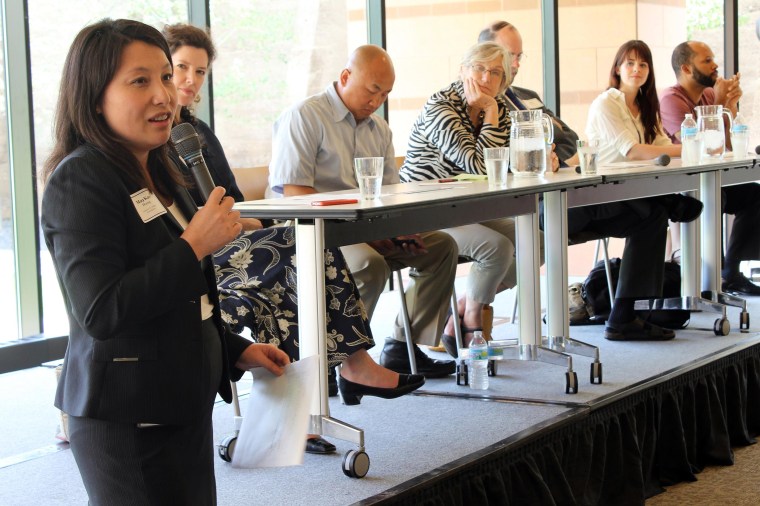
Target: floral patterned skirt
(256,277)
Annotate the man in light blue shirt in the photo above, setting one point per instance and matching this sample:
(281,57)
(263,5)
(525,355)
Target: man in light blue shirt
(314,146)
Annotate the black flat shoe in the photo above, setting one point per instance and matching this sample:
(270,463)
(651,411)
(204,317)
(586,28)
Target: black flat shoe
(352,393)
(319,446)
(396,358)
(450,342)
(637,330)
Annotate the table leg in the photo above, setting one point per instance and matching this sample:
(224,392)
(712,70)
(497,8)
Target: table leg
(712,249)
(313,326)
(557,312)
(705,237)
(528,278)
(530,345)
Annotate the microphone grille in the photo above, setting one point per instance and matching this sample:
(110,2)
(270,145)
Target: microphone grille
(663,160)
(186,139)
(757,150)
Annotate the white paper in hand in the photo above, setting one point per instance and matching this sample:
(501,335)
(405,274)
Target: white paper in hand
(275,423)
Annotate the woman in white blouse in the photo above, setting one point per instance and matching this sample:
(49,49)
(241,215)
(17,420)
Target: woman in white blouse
(626,117)
(626,120)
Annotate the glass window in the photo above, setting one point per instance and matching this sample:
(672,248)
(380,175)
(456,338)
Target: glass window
(271,55)
(749,55)
(427,41)
(704,22)
(586,56)
(51,31)
(9,328)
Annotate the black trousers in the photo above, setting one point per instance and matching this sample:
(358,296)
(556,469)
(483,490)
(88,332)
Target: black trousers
(743,201)
(126,464)
(643,223)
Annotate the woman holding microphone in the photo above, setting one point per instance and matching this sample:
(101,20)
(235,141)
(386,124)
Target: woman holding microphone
(148,351)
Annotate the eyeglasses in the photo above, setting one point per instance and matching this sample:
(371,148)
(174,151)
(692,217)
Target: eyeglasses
(480,70)
(519,57)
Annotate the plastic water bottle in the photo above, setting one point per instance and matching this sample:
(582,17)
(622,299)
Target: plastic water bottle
(478,374)
(691,142)
(740,137)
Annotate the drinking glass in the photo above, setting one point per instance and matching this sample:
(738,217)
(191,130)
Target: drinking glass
(588,152)
(497,163)
(369,175)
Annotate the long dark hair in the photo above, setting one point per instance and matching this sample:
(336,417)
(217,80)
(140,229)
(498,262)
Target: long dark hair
(90,65)
(646,99)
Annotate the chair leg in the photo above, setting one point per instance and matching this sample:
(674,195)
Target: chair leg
(514,312)
(407,325)
(455,318)
(607,268)
(596,252)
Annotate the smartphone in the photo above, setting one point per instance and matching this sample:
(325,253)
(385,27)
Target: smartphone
(335,202)
(400,242)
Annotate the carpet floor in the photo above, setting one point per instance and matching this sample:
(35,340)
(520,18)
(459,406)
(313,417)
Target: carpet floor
(406,438)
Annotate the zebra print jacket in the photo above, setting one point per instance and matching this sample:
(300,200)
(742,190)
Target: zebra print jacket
(444,142)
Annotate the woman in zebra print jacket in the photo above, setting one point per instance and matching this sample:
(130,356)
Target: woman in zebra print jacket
(448,139)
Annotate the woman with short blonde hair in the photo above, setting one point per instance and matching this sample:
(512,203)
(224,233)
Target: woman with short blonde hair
(449,137)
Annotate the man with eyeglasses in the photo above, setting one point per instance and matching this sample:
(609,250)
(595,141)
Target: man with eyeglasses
(641,222)
(506,35)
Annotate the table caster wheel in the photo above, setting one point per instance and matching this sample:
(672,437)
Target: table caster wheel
(744,320)
(355,464)
(596,372)
(462,376)
(227,447)
(571,383)
(722,326)
(492,367)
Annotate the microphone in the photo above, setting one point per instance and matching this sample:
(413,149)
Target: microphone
(188,145)
(663,160)
(757,148)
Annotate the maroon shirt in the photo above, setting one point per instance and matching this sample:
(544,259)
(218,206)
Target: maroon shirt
(675,104)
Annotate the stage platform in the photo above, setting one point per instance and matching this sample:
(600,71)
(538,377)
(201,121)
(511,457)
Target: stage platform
(663,411)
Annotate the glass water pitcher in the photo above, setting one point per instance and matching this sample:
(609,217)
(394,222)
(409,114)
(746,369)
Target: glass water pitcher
(712,130)
(530,135)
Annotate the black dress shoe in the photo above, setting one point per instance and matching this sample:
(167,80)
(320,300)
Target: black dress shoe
(637,330)
(319,446)
(682,208)
(352,393)
(741,285)
(396,358)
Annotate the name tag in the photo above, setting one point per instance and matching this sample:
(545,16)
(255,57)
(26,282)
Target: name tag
(147,205)
(532,103)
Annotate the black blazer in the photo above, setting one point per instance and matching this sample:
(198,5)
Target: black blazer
(133,292)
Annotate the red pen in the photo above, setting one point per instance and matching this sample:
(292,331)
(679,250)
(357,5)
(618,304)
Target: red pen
(335,202)
(447,180)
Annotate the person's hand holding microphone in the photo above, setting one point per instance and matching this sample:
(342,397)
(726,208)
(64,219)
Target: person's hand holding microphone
(214,225)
